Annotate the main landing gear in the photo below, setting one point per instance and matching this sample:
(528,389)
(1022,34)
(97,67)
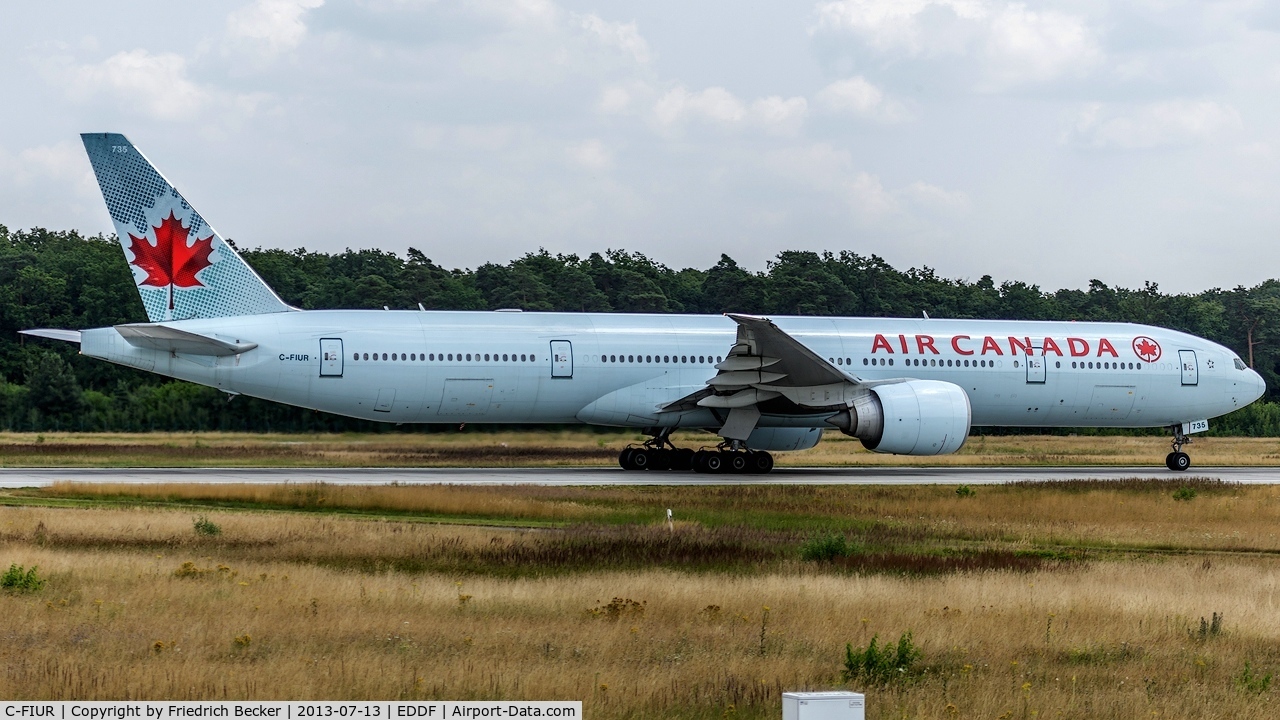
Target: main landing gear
(1178,460)
(660,454)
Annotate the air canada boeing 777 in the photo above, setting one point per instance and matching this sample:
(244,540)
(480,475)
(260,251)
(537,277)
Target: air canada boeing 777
(900,385)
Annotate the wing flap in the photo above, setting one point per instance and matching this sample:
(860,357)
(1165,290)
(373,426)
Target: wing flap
(794,372)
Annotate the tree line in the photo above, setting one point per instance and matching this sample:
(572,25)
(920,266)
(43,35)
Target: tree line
(66,280)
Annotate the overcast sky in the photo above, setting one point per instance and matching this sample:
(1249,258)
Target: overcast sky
(1048,142)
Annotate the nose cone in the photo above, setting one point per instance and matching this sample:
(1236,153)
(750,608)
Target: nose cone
(1259,386)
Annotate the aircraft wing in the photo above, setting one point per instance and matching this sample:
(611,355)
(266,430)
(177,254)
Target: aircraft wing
(161,337)
(766,363)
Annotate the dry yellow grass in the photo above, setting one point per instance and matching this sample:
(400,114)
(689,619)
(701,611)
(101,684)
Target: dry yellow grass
(435,500)
(262,621)
(569,448)
(1115,515)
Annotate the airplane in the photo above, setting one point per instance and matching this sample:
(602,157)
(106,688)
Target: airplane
(908,386)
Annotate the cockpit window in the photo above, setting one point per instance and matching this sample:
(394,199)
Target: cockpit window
(1238,363)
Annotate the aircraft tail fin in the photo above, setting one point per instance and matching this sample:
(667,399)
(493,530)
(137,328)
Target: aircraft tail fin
(182,267)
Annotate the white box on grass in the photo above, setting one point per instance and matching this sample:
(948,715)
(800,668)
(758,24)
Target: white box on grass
(830,705)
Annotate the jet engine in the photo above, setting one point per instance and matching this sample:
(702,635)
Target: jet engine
(916,417)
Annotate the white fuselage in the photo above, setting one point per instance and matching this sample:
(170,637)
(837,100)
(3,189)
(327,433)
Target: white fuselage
(513,367)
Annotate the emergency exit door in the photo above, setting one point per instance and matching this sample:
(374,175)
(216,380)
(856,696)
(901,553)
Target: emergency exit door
(1035,366)
(1190,370)
(331,357)
(561,359)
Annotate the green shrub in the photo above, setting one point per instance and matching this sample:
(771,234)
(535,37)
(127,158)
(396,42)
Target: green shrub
(825,547)
(1184,493)
(205,526)
(18,579)
(965,491)
(1251,683)
(1208,628)
(881,665)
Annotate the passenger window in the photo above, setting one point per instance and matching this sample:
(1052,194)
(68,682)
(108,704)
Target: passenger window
(864,361)
(356,356)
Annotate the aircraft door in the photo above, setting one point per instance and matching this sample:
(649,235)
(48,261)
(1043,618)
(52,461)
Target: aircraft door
(1035,366)
(330,357)
(386,400)
(561,359)
(1190,370)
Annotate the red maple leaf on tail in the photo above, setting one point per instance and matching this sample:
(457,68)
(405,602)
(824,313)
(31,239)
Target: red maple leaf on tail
(171,262)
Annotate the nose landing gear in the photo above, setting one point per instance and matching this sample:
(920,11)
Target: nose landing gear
(1178,460)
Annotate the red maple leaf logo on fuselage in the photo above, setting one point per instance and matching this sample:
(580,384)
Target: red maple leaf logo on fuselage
(1146,348)
(171,262)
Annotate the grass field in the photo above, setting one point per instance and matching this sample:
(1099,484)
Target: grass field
(538,448)
(1077,600)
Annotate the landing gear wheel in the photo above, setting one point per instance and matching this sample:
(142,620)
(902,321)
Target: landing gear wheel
(737,462)
(682,459)
(641,459)
(624,458)
(710,462)
(1178,461)
(759,463)
(659,459)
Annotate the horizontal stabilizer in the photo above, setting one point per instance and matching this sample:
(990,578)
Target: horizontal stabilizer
(54,334)
(160,337)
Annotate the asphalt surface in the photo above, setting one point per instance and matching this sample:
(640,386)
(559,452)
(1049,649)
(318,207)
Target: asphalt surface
(19,477)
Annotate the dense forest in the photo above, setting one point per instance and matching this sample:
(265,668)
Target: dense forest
(65,280)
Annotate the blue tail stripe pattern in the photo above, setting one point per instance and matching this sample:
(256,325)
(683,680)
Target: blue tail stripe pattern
(140,200)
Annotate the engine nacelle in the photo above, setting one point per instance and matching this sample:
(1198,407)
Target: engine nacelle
(916,417)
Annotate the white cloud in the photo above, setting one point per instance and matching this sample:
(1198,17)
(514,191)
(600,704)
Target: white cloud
(714,104)
(1181,122)
(591,154)
(154,85)
(1013,44)
(63,161)
(779,114)
(717,105)
(520,12)
(897,24)
(485,138)
(1024,46)
(934,198)
(859,97)
(829,171)
(276,24)
(623,36)
(614,100)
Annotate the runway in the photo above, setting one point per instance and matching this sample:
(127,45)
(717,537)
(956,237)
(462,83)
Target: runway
(35,477)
